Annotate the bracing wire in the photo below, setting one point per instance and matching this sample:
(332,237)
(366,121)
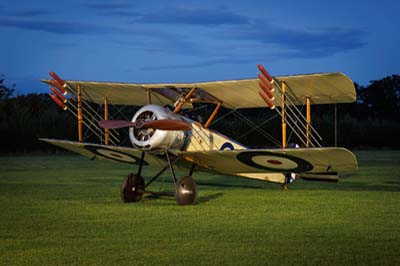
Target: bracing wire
(291,127)
(292,123)
(259,130)
(84,122)
(291,100)
(258,126)
(94,116)
(291,132)
(296,117)
(93,124)
(222,117)
(251,124)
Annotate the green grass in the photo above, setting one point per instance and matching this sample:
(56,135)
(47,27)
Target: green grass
(63,210)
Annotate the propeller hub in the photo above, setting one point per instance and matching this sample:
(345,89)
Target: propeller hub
(140,133)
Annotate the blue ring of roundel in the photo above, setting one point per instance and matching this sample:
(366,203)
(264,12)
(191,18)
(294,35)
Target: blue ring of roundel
(227,146)
(96,149)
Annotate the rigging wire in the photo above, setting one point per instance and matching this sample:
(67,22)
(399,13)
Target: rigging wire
(297,119)
(259,130)
(258,126)
(222,117)
(291,127)
(292,121)
(94,117)
(251,124)
(291,104)
(291,132)
(84,121)
(93,124)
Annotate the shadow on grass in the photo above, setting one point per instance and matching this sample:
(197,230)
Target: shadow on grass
(347,182)
(210,197)
(228,185)
(169,196)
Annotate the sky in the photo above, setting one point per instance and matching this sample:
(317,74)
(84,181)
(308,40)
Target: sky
(190,41)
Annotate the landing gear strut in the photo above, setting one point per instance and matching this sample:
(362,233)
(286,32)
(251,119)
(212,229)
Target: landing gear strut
(133,186)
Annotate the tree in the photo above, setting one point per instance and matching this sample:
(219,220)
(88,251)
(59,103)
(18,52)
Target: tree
(383,97)
(5,92)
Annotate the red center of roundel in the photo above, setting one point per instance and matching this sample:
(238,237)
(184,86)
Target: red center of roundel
(276,162)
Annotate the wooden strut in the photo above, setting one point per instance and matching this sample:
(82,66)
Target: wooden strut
(283,116)
(184,100)
(80,116)
(308,125)
(148,92)
(106,130)
(213,114)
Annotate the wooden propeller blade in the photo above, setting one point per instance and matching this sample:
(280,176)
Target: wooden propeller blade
(115,123)
(164,124)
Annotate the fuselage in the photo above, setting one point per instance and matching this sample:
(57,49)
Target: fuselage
(198,138)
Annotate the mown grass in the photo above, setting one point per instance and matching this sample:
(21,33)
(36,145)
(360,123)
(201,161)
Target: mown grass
(65,210)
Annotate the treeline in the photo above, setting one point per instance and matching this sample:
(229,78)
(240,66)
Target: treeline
(373,121)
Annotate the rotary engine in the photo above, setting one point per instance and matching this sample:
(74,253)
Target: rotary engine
(155,139)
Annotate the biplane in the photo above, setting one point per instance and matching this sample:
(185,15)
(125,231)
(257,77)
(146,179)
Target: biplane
(162,137)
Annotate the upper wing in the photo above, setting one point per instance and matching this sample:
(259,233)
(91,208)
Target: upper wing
(323,88)
(320,88)
(116,93)
(107,152)
(303,160)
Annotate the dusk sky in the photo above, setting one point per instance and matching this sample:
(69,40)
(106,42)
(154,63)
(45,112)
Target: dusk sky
(184,41)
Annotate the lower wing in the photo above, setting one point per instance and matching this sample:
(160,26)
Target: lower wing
(107,152)
(273,164)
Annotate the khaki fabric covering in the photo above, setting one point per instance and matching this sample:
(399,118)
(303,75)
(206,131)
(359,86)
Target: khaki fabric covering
(326,88)
(107,152)
(323,160)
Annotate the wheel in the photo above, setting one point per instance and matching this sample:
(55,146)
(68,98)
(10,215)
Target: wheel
(186,191)
(132,188)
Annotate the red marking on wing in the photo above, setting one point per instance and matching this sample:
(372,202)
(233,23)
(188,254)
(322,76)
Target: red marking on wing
(276,162)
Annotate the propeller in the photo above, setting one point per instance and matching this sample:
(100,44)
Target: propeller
(163,124)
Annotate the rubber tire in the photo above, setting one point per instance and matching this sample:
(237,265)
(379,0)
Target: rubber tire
(132,188)
(186,191)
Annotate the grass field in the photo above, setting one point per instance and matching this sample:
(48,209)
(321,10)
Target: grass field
(63,210)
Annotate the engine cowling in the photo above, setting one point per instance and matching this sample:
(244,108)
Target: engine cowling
(154,139)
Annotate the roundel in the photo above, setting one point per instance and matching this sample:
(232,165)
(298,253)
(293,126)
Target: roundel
(113,155)
(227,146)
(274,161)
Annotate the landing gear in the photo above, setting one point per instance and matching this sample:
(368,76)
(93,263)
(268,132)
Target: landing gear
(185,188)
(132,188)
(289,178)
(185,191)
